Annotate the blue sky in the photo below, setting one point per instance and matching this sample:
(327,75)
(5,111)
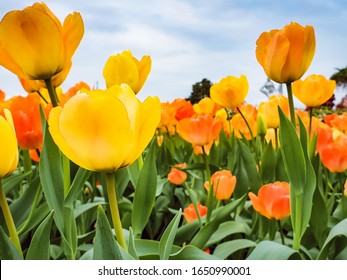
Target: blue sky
(190,40)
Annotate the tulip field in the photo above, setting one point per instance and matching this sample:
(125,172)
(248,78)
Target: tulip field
(98,174)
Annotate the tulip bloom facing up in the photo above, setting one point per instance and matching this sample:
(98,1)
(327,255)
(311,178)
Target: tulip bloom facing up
(177,176)
(124,68)
(190,213)
(273,200)
(230,92)
(223,183)
(34,44)
(104,130)
(286,54)
(314,91)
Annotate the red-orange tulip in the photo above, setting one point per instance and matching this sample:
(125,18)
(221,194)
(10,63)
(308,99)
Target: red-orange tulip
(27,121)
(177,176)
(190,212)
(273,200)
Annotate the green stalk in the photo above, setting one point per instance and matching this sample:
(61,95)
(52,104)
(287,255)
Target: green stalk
(52,93)
(297,223)
(281,231)
(291,103)
(66,174)
(112,198)
(27,163)
(210,189)
(248,126)
(9,220)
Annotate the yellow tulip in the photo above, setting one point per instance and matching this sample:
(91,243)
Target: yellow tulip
(104,130)
(314,91)
(230,92)
(8,145)
(286,54)
(36,46)
(269,110)
(124,68)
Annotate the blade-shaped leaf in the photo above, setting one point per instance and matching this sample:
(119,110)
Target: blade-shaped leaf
(105,247)
(270,250)
(167,239)
(145,192)
(8,250)
(39,245)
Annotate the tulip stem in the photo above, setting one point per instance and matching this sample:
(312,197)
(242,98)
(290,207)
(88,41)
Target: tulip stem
(9,220)
(210,189)
(281,231)
(291,103)
(52,93)
(248,126)
(113,203)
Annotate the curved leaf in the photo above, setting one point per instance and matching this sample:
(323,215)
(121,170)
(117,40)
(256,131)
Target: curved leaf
(270,250)
(226,249)
(39,246)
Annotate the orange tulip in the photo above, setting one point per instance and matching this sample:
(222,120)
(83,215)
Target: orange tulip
(184,109)
(314,91)
(273,200)
(239,125)
(340,122)
(269,110)
(167,120)
(334,155)
(27,120)
(177,176)
(286,54)
(223,183)
(230,92)
(200,129)
(190,213)
(40,47)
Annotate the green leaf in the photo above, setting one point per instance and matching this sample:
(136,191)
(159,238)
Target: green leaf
(293,155)
(51,175)
(167,239)
(339,230)
(270,250)
(80,209)
(219,216)
(8,250)
(105,247)
(131,245)
(301,175)
(145,192)
(245,171)
(13,180)
(40,242)
(226,229)
(192,253)
(21,207)
(81,177)
(225,249)
(268,164)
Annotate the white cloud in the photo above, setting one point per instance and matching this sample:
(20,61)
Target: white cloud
(191,40)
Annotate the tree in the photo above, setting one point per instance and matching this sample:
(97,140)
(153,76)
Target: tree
(340,77)
(200,90)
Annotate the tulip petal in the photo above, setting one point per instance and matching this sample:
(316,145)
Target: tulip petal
(33,42)
(73,30)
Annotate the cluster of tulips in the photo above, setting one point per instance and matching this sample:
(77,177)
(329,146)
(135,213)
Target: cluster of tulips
(98,174)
